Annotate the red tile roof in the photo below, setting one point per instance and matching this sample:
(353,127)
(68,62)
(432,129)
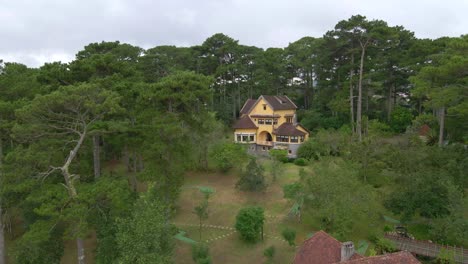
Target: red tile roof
(402,257)
(245,122)
(321,248)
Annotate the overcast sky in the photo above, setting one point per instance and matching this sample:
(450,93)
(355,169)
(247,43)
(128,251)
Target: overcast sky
(37,31)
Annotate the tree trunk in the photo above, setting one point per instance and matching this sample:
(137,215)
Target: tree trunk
(2,237)
(126,158)
(96,156)
(81,252)
(359,103)
(351,94)
(441,124)
(72,190)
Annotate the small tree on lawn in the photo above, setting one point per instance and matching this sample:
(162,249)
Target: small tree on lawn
(201,210)
(249,223)
(289,235)
(228,155)
(252,179)
(278,156)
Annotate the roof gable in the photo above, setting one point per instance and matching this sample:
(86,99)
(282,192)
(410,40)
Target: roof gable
(321,248)
(247,106)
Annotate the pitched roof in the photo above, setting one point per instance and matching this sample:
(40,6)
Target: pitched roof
(321,248)
(245,122)
(279,102)
(247,106)
(402,257)
(288,129)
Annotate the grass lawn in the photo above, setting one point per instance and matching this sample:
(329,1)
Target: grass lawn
(223,207)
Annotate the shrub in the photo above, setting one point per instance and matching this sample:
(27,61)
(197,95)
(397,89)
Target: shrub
(400,119)
(289,235)
(227,155)
(300,162)
(269,252)
(201,254)
(249,223)
(252,179)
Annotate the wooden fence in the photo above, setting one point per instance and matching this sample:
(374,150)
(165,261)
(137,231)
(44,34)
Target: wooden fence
(426,248)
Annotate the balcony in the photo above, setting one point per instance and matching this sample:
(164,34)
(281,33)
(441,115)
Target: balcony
(265,143)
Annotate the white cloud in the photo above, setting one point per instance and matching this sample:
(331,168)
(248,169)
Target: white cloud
(33,32)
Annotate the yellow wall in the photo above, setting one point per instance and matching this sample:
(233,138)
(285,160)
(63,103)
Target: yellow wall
(305,131)
(258,110)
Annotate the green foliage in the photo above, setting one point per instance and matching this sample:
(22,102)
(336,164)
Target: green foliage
(252,178)
(269,252)
(41,244)
(445,256)
(249,223)
(278,157)
(324,143)
(337,198)
(378,128)
(146,236)
(289,235)
(300,162)
(228,155)
(201,254)
(292,190)
(400,119)
(383,245)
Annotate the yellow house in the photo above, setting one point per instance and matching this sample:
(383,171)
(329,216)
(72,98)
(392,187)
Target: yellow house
(270,122)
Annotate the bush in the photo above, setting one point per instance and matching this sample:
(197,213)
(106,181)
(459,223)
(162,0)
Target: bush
(289,235)
(249,223)
(269,253)
(300,162)
(201,254)
(227,155)
(400,119)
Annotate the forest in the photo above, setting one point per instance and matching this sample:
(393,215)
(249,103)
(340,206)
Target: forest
(97,154)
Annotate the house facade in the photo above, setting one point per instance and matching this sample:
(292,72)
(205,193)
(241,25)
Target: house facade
(270,122)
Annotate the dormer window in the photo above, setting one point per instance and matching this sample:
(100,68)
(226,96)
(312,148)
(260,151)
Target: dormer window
(264,107)
(289,119)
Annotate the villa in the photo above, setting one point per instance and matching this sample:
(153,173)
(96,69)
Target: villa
(270,122)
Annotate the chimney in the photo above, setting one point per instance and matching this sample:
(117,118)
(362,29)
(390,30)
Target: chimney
(347,250)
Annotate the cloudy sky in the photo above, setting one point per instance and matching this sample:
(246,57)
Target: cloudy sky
(37,31)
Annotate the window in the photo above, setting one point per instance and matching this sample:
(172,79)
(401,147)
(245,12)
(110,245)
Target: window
(264,107)
(282,138)
(275,121)
(288,119)
(251,138)
(289,151)
(245,138)
(294,139)
(239,138)
(267,121)
(261,121)
(301,138)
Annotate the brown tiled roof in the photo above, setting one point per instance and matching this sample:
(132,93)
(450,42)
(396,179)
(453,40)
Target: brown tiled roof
(402,257)
(288,129)
(247,106)
(245,122)
(321,248)
(280,102)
